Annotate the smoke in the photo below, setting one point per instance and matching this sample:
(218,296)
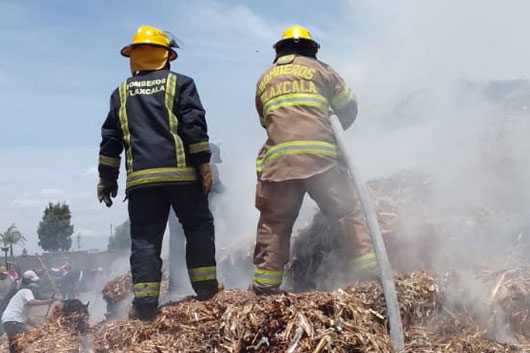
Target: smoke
(98,306)
(442,89)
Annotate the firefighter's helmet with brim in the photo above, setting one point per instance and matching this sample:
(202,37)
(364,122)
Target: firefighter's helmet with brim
(296,34)
(152,36)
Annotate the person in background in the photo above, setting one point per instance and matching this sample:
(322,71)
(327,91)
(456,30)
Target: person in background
(8,288)
(99,279)
(70,281)
(11,269)
(15,317)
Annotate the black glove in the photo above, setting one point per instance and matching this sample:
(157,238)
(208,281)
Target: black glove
(106,189)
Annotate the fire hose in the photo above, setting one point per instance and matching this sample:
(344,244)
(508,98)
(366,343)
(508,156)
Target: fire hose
(383,264)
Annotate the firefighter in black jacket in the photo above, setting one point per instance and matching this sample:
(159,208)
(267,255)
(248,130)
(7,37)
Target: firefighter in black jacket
(157,117)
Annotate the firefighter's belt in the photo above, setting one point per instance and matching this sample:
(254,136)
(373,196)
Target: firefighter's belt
(161,175)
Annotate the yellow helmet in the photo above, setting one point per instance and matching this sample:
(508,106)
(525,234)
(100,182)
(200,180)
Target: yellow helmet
(296,34)
(152,36)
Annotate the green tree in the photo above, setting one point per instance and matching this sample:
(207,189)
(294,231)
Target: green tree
(55,231)
(121,239)
(12,236)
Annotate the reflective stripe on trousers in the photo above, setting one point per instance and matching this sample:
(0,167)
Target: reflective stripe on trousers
(201,274)
(158,175)
(268,277)
(367,261)
(146,289)
(297,147)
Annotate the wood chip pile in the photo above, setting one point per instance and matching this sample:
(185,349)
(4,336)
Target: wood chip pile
(350,320)
(510,291)
(436,317)
(118,289)
(63,333)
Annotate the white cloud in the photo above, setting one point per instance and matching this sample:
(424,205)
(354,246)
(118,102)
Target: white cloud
(39,199)
(87,232)
(234,22)
(51,193)
(90,172)
(28,202)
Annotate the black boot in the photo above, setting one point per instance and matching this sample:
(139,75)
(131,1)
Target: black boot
(143,312)
(208,293)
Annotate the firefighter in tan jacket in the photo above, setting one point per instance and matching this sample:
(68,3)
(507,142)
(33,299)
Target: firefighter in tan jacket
(293,99)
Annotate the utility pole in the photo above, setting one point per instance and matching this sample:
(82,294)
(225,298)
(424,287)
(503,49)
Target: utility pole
(5,249)
(78,241)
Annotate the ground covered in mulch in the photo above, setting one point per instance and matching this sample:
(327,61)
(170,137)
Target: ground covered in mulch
(347,320)
(483,309)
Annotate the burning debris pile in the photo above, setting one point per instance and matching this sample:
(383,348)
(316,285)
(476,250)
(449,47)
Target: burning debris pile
(350,320)
(510,291)
(118,289)
(63,333)
(450,314)
(414,234)
(318,251)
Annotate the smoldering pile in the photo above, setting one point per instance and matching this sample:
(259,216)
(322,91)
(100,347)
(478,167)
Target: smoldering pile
(64,332)
(414,234)
(349,320)
(509,289)
(118,289)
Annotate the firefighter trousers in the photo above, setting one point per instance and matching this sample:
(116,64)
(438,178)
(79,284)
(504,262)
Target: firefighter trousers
(148,212)
(279,204)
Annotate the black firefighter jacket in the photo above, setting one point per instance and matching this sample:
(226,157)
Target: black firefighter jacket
(157,117)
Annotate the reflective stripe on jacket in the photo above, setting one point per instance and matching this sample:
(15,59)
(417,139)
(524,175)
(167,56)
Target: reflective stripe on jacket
(157,117)
(293,99)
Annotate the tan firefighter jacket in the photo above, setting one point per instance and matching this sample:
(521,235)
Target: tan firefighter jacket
(293,99)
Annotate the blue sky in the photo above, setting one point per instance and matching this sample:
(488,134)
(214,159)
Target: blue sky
(59,62)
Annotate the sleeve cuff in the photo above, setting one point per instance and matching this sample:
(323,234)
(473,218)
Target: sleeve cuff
(341,100)
(200,158)
(109,161)
(107,172)
(203,146)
